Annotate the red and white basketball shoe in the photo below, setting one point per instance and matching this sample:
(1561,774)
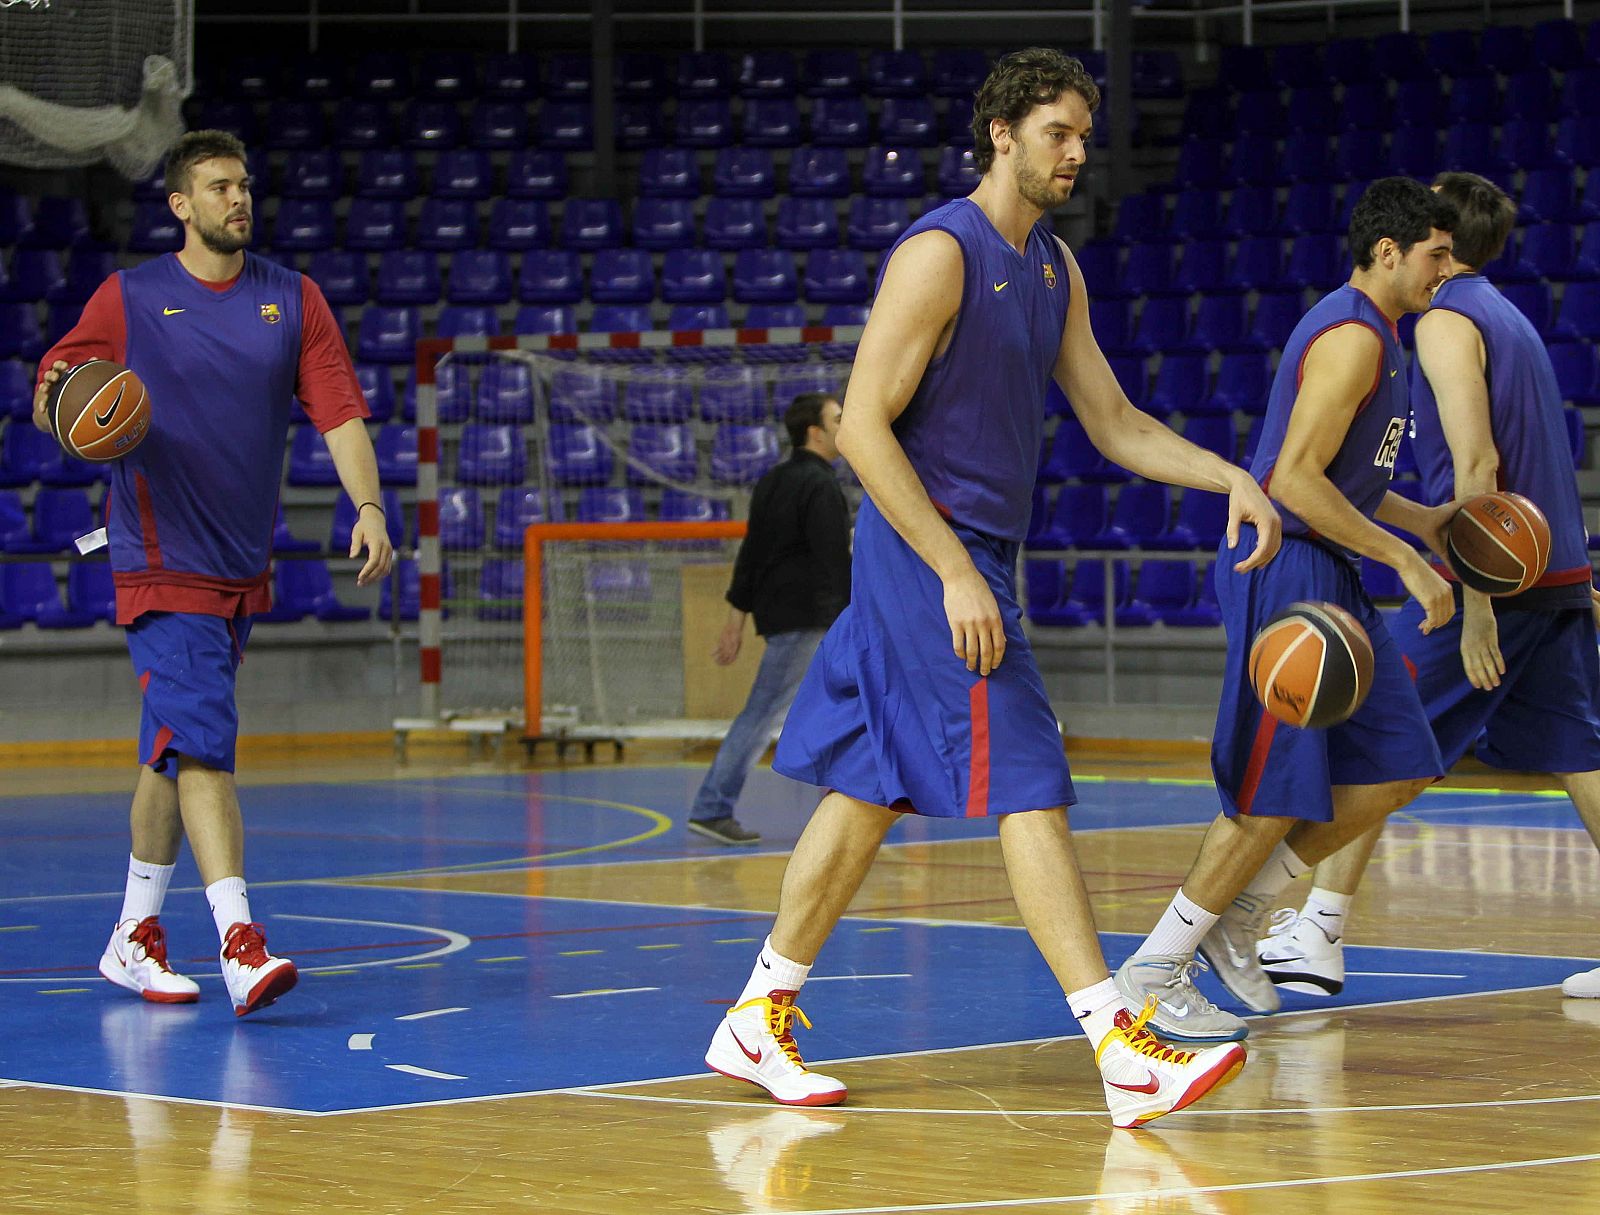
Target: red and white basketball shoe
(755,1042)
(1145,1078)
(255,978)
(136,958)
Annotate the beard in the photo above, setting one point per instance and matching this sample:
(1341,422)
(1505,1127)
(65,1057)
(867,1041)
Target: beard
(222,239)
(1037,189)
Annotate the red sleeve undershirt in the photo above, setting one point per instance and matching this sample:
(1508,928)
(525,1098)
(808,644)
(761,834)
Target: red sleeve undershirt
(326,384)
(101,331)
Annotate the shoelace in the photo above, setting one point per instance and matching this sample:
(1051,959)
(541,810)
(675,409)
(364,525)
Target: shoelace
(1283,921)
(246,946)
(152,938)
(1145,1043)
(1182,982)
(780,1023)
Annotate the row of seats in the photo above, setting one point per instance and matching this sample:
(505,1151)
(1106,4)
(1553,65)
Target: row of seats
(454,225)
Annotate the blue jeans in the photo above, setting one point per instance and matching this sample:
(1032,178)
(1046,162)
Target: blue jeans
(778,678)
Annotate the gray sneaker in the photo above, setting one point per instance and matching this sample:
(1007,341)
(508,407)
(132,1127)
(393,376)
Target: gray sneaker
(725,830)
(1181,1012)
(1230,947)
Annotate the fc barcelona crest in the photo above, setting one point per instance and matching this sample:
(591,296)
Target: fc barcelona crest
(1049,276)
(270,313)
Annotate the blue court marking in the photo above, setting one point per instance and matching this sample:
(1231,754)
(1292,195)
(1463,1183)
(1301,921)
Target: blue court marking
(546,994)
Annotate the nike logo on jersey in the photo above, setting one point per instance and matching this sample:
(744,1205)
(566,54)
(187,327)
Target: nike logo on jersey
(172,311)
(753,1055)
(999,287)
(100,419)
(1151,1085)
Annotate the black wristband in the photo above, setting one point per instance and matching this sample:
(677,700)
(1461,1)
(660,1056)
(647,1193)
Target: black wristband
(364,506)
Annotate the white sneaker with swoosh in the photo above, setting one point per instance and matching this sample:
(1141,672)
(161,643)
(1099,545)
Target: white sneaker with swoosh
(755,1043)
(1145,1078)
(136,958)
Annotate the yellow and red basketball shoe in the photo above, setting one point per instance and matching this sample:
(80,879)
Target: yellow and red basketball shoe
(1145,1078)
(755,1042)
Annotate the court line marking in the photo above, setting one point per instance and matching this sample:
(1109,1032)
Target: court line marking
(437,1012)
(425,1072)
(360,1041)
(1195,1191)
(602,991)
(851,978)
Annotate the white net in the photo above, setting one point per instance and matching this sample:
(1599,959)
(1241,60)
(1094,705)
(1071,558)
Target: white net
(93,80)
(529,437)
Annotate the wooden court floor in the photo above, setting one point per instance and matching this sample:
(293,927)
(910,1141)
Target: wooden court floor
(1487,1103)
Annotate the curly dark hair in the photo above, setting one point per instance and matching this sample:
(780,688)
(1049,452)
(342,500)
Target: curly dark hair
(1484,216)
(1401,208)
(191,149)
(1019,82)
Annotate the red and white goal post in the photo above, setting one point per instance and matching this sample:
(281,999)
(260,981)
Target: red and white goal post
(571,629)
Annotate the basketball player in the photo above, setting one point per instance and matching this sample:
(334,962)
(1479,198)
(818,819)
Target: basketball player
(224,340)
(924,697)
(1335,416)
(1516,679)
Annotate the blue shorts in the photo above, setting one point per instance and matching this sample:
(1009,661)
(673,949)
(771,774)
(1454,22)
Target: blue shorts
(185,664)
(888,714)
(1264,767)
(1544,716)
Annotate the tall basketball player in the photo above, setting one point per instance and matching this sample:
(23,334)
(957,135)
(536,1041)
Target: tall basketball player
(924,697)
(224,341)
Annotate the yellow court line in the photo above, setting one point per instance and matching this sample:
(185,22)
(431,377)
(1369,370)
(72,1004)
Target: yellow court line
(514,957)
(63,991)
(579,953)
(332,974)
(655,947)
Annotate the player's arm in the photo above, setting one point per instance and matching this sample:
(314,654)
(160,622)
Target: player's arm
(1451,351)
(1132,438)
(914,308)
(1338,373)
(101,333)
(741,594)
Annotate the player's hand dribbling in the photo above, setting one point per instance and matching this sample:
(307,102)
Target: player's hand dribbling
(371,533)
(1430,591)
(1480,644)
(1248,503)
(41,416)
(977,632)
(1438,526)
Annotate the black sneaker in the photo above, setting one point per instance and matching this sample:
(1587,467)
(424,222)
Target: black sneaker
(724,830)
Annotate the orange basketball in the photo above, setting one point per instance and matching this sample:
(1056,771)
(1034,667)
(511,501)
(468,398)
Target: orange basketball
(99,411)
(1499,543)
(1311,665)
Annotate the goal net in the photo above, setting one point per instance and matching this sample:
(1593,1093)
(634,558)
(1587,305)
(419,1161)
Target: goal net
(83,81)
(579,507)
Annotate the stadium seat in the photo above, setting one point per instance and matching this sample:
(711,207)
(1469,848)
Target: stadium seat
(622,318)
(60,516)
(447,75)
(1261,112)
(908,122)
(740,454)
(1577,372)
(91,593)
(1163,323)
(550,276)
(765,276)
(1142,513)
(155,229)
(16,217)
(285,541)
(344,520)
(480,276)
(876,223)
(693,276)
(16,390)
(958,172)
(669,173)
(341,275)
(840,122)
(446,225)
(584,394)
(1578,140)
(1072,457)
(622,276)
(767,74)
(33,274)
(1112,322)
(606,504)
(744,172)
(545,319)
(305,588)
(589,224)
(681,506)
(1315,261)
(310,462)
(772,122)
(407,605)
(1550,250)
(519,508)
(431,126)
(666,450)
(1195,214)
(770,316)
(735,223)
(807,223)
(893,173)
(462,173)
(378,390)
(500,590)
(1525,143)
(467,320)
(844,314)
(568,77)
(381,74)
(1557,44)
(313,173)
(359,123)
(957,72)
(663,223)
(639,123)
(567,125)
(505,393)
(498,126)
(537,173)
(491,454)
(831,73)
(375,224)
(388,334)
(659,395)
(733,394)
(1201,267)
(452,392)
(1202,519)
(1219,323)
(1148,270)
(1088,593)
(408,276)
(1357,156)
(1474,144)
(1180,384)
(1244,379)
(396,449)
(704,123)
(956,128)
(837,276)
(314,77)
(896,74)
(1252,212)
(28,590)
(819,172)
(1044,585)
(1276,315)
(1307,159)
(704,74)
(578,456)
(1167,589)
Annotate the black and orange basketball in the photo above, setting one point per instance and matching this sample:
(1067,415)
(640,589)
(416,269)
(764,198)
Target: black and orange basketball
(1311,665)
(99,410)
(1499,543)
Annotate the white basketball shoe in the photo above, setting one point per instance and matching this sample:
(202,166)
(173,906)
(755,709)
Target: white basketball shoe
(1298,954)
(136,958)
(255,978)
(1145,1078)
(755,1042)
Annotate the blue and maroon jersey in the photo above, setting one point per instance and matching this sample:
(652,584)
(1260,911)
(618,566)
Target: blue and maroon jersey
(974,424)
(190,511)
(1362,467)
(1525,418)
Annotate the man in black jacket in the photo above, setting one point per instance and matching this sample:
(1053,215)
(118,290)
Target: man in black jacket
(793,575)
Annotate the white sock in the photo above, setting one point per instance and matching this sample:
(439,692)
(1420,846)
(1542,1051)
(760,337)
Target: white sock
(1281,868)
(1326,909)
(230,904)
(772,972)
(1178,932)
(1096,1009)
(146,889)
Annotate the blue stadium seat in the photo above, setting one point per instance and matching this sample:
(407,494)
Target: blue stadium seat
(621,318)
(1078,513)
(1257,265)
(1558,45)
(309,460)
(518,224)
(519,508)
(1252,211)
(544,319)
(681,506)
(578,456)
(1357,156)
(1474,144)
(840,122)
(1072,457)
(956,128)
(845,314)
(704,74)
(1244,379)
(1167,589)
(386,173)
(640,124)
(640,74)
(20,335)
(693,276)
(378,389)
(819,172)
(1180,384)
(1506,49)
(1307,159)
(375,224)
(382,74)
(314,77)
(807,223)
(499,126)
(359,123)
(305,588)
(1414,151)
(1531,95)
(1200,161)
(607,504)
(236,116)
(957,72)
(876,223)
(491,454)
(462,173)
(893,173)
(1548,196)
(91,592)
(16,390)
(16,216)
(1112,322)
(550,276)
(567,125)
(505,393)
(1420,103)
(344,520)
(1261,112)
(896,74)
(1239,64)
(735,223)
(1577,372)
(155,229)
(1550,250)
(407,604)
(908,122)
(313,173)
(60,516)
(1157,73)
(704,123)
(1195,213)
(767,74)
(34,274)
(1315,260)
(1045,584)
(1203,612)
(1525,143)
(1088,594)
(1100,262)
(1312,108)
(1202,519)
(1163,324)
(958,172)
(830,74)
(761,316)
(388,335)
(659,395)
(537,173)
(1142,512)
(588,224)
(1580,83)
(408,276)
(447,225)
(431,126)
(1475,99)
(1366,107)
(772,122)
(1453,52)
(765,276)
(734,394)
(837,276)
(1148,270)
(669,173)
(583,394)
(1579,317)
(467,320)
(1219,323)
(740,455)
(622,276)
(744,173)
(665,450)
(28,589)
(1201,267)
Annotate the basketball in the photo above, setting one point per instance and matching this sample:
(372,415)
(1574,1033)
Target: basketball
(1311,665)
(99,411)
(1499,543)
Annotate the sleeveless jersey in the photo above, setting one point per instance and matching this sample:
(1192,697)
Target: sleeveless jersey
(195,502)
(1364,463)
(975,423)
(1525,418)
